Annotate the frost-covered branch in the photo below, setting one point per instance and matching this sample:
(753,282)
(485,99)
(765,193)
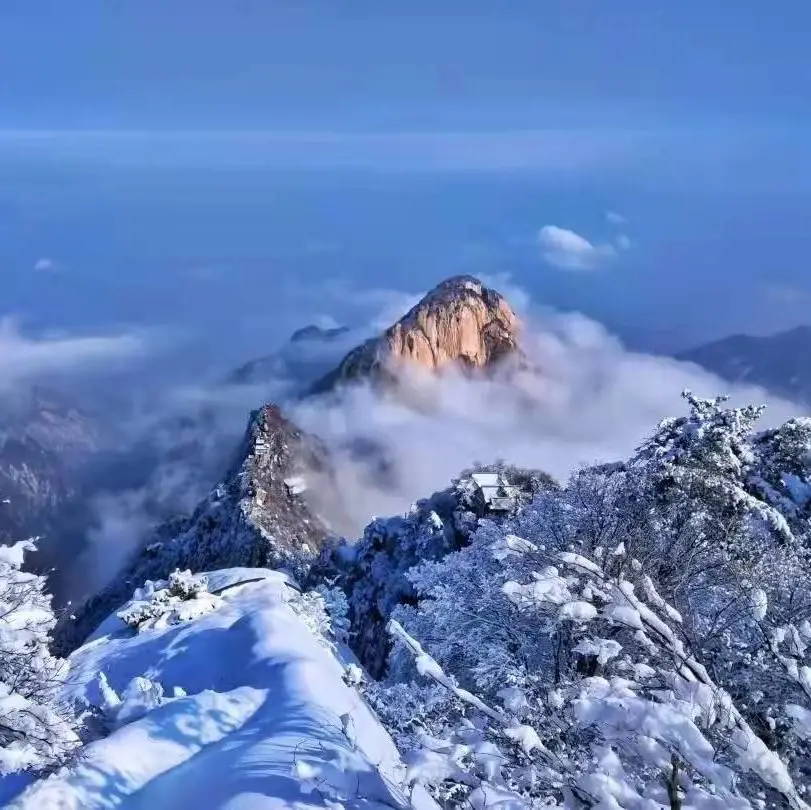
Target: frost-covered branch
(523,736)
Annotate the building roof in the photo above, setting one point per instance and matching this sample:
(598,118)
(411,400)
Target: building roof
(487,480)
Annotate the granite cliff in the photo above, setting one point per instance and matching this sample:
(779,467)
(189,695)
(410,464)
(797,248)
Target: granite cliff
(461,324)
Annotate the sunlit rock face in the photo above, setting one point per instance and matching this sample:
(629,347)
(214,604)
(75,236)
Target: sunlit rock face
(460,324)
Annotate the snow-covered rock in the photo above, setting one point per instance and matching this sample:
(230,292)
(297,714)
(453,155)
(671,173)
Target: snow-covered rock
(373,571)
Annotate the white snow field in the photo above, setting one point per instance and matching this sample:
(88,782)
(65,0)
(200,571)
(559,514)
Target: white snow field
(266,721)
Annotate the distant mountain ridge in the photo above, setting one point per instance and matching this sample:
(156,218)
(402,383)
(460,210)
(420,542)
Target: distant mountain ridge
(780,363)
(309,353)
(44,442)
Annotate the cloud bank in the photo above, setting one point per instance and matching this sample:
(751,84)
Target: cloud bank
(24,359)
(591,400)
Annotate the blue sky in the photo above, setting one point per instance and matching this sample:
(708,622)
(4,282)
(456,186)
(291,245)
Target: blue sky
(157,151)
(418,65)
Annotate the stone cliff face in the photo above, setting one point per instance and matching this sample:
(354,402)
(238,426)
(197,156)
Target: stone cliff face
(459,324)
(258,516)
(270,485)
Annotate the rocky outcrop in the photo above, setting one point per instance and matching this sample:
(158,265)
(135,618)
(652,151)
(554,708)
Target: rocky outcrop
(460,324)
(258,516)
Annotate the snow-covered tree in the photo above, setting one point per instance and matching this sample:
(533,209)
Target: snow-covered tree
(373,571)
(638,639)
(180,598)
(34,731)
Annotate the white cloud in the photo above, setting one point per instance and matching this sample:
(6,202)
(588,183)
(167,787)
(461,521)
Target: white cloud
(623,242)
(616,219)
(570,251)
(326,322)
(45,265)
(23,358)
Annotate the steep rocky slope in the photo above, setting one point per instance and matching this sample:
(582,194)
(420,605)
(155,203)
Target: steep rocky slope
(460,324)
(257,516)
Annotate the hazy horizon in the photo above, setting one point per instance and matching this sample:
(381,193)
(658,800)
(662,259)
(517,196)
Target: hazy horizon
(225,174)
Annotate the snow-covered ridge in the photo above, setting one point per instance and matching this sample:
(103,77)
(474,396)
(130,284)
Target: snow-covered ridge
(242,705)
(373,571)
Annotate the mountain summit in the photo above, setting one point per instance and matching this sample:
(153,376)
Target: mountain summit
(460,323)
(258,515)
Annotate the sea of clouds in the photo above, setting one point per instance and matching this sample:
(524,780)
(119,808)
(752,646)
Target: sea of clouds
(589,399)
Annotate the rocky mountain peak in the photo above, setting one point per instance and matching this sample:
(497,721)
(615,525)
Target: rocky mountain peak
(460,320)
(277,461)
(461,323)
(259,515)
